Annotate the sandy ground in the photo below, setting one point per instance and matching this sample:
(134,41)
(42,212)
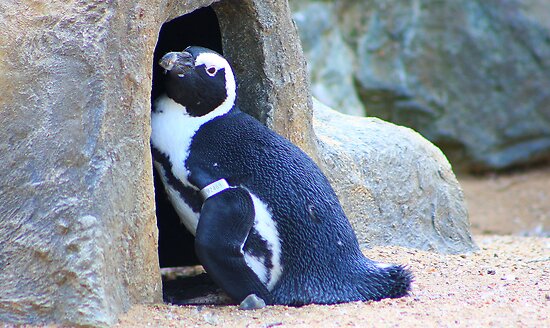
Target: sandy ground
(516,203)
(505,284)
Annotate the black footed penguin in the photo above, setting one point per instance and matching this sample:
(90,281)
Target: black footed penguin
(268,226)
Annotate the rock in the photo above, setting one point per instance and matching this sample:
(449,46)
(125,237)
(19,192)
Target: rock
(395,186)
(78,235)
(267,57)
(78,239)
(252,302)
(471,76)
(331,63)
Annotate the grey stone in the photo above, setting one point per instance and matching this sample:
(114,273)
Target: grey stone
(395,186)
(252,302)
(261,42)
(78,233)
(471,76)
(331,62)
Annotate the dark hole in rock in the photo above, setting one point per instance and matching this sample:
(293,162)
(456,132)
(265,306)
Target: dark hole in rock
(185,284)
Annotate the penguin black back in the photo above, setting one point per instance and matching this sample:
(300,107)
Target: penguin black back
(319,248)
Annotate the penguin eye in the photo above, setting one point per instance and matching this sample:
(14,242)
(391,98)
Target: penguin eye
(211,70)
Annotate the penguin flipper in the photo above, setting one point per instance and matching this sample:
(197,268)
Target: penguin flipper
(225,222)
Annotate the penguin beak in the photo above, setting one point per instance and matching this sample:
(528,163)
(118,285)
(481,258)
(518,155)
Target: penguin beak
(178,62)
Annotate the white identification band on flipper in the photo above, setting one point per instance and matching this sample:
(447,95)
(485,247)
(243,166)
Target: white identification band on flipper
(214,188)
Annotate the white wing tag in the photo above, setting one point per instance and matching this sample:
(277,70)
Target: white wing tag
(214,188)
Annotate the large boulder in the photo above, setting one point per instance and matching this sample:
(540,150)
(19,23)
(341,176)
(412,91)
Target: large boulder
(77,234)
(395,186)
(472,76)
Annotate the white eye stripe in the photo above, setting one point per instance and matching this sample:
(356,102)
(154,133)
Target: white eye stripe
(211,60)
(211,70)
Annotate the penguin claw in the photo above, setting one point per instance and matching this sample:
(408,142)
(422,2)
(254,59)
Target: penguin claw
(252,302)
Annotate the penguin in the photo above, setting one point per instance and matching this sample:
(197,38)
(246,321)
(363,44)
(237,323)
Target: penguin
(268,227)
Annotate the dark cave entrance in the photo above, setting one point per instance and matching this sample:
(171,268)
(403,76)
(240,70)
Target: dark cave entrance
(176,244)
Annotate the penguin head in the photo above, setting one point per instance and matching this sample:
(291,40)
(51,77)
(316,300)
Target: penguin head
(200,80)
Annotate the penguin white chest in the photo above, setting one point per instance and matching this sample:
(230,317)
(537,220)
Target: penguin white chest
(172,130)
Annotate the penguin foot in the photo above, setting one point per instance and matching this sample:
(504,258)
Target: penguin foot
(252,302)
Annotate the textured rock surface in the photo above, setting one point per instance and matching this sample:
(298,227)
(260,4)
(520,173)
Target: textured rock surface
(472,76)
(395,186)
(330,60)
(268,47)
(78,235)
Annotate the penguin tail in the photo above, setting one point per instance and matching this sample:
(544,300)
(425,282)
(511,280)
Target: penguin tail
(387,281)
(400,280)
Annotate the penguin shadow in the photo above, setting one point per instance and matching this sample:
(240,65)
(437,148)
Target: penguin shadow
(191,286)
